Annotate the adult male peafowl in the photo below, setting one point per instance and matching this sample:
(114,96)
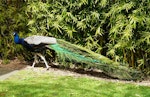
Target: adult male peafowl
(75,54)
(35,44)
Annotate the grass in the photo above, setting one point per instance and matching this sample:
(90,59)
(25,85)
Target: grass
(28,83)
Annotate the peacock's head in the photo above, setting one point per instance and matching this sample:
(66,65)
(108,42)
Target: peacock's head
(16,38)
(15,33)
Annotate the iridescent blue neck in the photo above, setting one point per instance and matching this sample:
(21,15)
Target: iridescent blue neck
(18,40)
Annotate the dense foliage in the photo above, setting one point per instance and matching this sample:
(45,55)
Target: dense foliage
(118,29)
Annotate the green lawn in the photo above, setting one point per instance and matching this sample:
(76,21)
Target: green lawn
(28,83)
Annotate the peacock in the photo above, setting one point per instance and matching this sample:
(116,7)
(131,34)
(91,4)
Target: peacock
(35,44)
(75,54)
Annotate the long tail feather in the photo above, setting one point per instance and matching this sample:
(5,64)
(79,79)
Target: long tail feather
(78,54)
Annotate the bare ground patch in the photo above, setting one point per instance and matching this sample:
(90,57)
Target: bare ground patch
(13,65)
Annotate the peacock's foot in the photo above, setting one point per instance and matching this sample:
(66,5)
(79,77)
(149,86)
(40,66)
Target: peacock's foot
(48,67)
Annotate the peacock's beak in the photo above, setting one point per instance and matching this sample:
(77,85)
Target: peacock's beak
(14,33)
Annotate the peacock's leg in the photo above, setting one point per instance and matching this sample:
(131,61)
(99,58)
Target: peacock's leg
(43,58)
(35,60)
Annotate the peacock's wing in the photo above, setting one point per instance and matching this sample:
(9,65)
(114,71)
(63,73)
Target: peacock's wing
(36,40)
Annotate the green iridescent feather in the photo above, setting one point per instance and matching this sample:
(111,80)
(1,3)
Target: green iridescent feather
(76,54)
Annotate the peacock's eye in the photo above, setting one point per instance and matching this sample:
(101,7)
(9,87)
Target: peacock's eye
(14,33)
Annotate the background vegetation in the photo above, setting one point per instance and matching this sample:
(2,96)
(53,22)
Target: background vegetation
(118,29)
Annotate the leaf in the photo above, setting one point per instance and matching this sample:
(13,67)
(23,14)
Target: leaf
(111,52)
(99,31)
(96,15)
(81,25)
(56,25)
(146,37)
(31,22)
(69,30)
(103,3)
